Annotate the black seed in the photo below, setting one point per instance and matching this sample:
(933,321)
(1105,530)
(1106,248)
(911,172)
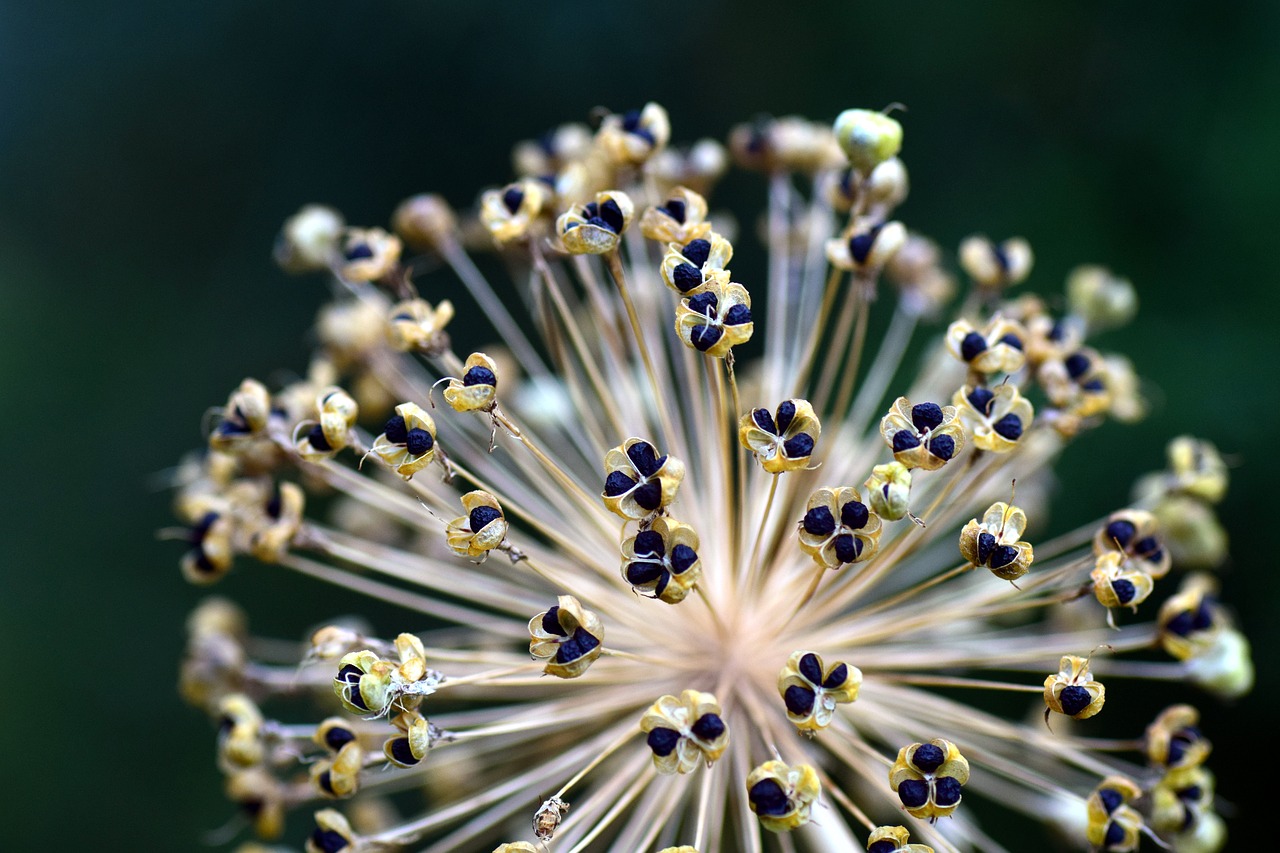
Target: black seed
(1058,331)
(986,544)
(639,574)
(980,398)
(1003,556)
(810,668)
(704,303)
(618,483)
(686,277)
(327,841)
(847,548)
(1114,837)
(338,737)
(551,622)
(1148,548)
(764,420)
(1012,340)
(251,807)
(913,793)
(860,246)
(972,346)
(1204,616)
(1190,794)
(1010,427)
(1177,750)
(786,413)
(1074,699)
(1095,386)
(943,447)
(1111,799)
(798,447)
(819,521)
(1077,365)
(401,752)
(697,251)
(649,544)
(590,211)
(576,646)
(325,781)
(904,440)
(225,725)
(512,199)
(569,226)
(358,252)
(419,441)
(631,120)
(612,215)
(799,700)
(649,495)
(682,558)
(645,458)
(479,376)
(481,516)
(350,675)
(1124,590)
(928,757)
(837,677)
(675,209)
(854,515)
(768,798)
(317,439)
(599,222)
(704,338)
(1182,624)
(883,846)
(1121,533)
(926,416)
(663,741)
(708,727)
(946,791)
(738,315)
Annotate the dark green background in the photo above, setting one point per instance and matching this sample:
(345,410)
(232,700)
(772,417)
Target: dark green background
(149,151)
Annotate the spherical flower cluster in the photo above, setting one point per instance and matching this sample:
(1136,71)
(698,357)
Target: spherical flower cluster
(730,615)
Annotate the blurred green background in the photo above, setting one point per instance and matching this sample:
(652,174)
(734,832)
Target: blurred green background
(150,150)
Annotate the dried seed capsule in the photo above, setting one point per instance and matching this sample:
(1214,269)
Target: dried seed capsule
(633,137)
(893,839)
(415,326)
(1134,534)
(368,254)
(1113,824)
(716,318)
(638,481)
(782,796)
(782,441)
(889,491)
(662,562)
(1190,621)
(1174,740)
(681,218)
(511,212)
(332,834)
(685,732)
(596,227)
(996,265)
(996,418)
(995,348)
(838,528)
(1118,584)
(408,440)
(929,778)
(811,691)
(481,530)
(994,543)
(425,221)
(925,435)
(477,390)
(568,637)
(1073,690)
(866,245)
(688,267)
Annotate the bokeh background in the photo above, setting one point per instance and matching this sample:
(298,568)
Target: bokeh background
(149,151)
